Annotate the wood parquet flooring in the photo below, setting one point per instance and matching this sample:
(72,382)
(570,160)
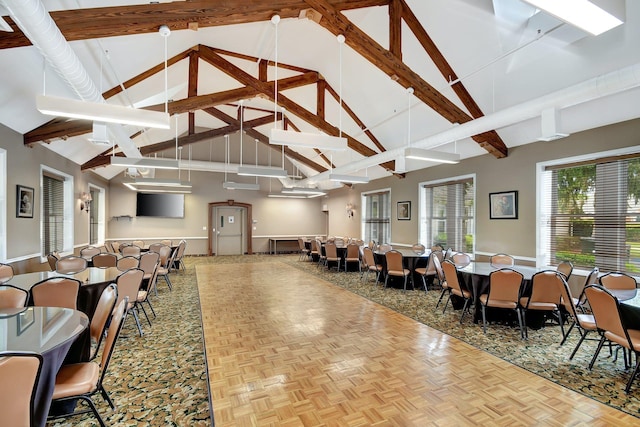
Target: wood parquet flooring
(285,348)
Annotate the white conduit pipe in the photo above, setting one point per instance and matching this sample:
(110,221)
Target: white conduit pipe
(598,87)
(36,23)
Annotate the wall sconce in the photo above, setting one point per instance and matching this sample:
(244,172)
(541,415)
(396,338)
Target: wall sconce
(350,210)
(85,201)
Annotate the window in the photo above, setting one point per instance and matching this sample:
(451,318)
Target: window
(377,215)
(447,213)
(590,213)
(57,211)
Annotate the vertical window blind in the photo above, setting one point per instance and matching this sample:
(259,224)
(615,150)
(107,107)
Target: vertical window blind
(449,214)
(94,209)
(591,216)
(376,218)
(52,214)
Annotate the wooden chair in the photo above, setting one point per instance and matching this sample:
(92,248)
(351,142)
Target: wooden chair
(545,297)
(71,264)
(12,297)
(502,260)
(395,267)
(56,292)
(83,380)
(606,311)
(105,260)
(19,376)
(451,276)
(101,315)
(504,294)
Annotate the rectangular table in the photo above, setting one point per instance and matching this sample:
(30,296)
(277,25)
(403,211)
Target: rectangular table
(273,243)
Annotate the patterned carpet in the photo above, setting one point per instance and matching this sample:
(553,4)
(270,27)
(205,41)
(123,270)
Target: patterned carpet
(160,379)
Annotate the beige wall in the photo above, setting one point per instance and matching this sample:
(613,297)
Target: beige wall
(516,172)
(23,168)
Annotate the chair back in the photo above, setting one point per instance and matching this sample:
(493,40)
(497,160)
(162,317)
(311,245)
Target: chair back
(437,247)
(182,246)
(451,275)
(155,247)
(437,265)
(56,292)
(460,259)
(166,242)
(105,306)
(71,264)
(339,242)
(130,250)
(565,267)
(505,284)
(138,243)
(353,252)
(301,243)
(448,254)
(115,246)
(52,259)
(148,262)
(127,262)
(606,310)
(6,273)
(331,250)
(617,281)
(165,256)
(385,247)
(418,248)
(394,261)
(567,299)
(117,321)
(89,252)
(369,259)
(545,287)
(108,246)
(502,260)
(19,376)
(314,246)
(12,297)
(372,245)
(104,260)
(129,283)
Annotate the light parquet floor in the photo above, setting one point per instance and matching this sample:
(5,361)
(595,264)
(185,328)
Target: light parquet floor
(286,348)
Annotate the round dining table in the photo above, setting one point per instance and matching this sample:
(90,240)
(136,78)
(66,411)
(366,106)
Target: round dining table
(48,331)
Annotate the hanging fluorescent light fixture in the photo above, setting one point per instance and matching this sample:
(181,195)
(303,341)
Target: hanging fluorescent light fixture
(144,162)
(307,191)
(307,140)
(286,196)
(264,171)
(580,13)
(101,112)
(355,179)
(230,185)
(159,185)
(431,156)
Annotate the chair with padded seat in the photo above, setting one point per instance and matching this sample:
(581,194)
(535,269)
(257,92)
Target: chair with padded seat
(611,327)
(591,279)
(395,268)
(178,260)
(19,377)
(331,255)
(12,297)
(130,250)
(166,242)
(56,292)
(138,243)
(129,284)
(385,247)
(460,259)
(101,316)
(322,253)
(437,264)
(451,277)
(108,246)
(6,273)
(545,297)
(566,268)
(503,294)
(52,259)
(303,251)
(71,264)
(370,264)
(105,260)
(155,247)
(127,262)
(617,281)
(429,272)
(149,263)
(585,323)
(501,260)
(166,259)
(89,252)
(80,381)
(115,245)
(352,256)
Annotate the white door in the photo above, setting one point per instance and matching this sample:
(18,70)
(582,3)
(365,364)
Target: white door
(230,230)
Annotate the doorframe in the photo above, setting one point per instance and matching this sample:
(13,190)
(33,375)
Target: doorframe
(249,225)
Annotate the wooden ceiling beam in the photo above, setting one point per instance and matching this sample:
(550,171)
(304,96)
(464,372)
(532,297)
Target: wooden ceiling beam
(103,22)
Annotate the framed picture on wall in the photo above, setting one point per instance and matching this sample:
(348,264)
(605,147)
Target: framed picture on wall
(404,211)
(24,202)
(503,205)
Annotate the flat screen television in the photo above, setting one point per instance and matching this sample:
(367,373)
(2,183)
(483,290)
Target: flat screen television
(160,205)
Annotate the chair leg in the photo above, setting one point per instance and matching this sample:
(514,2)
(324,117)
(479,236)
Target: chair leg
(166,279)
(525,335)
(583,335)
(567,334)
(135,316)
(521,322)
(385,281)
(107,398)
(441,296)
(151,307)
(405,284)
(93,409)
(633,375)
(595,355)
(465,308)
(484,319)
(446,303)
(144,312)
(424,283)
